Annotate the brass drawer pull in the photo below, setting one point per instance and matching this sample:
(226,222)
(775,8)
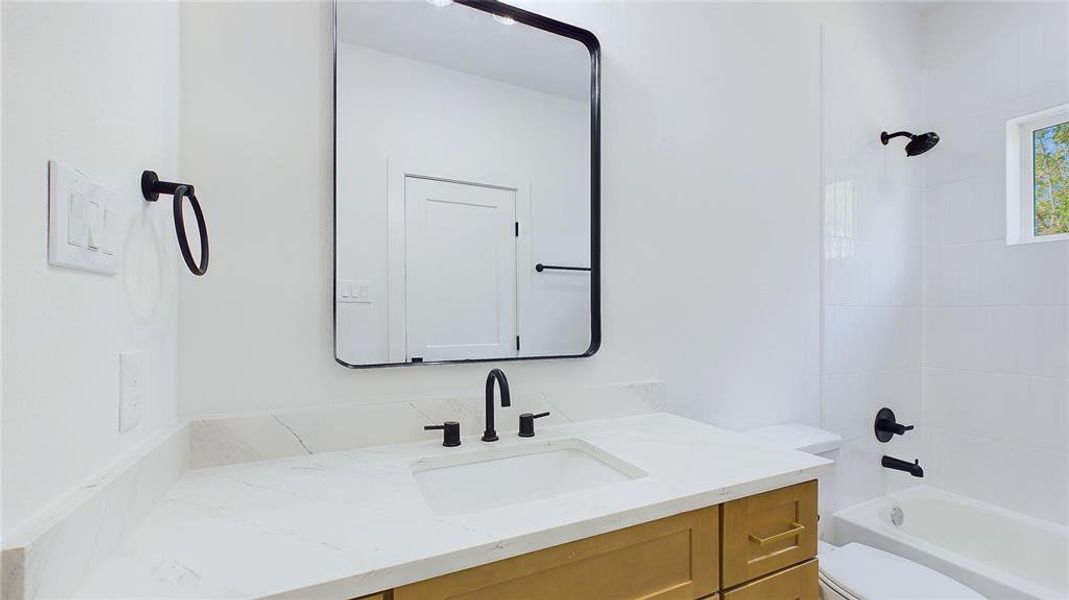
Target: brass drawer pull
(796,529)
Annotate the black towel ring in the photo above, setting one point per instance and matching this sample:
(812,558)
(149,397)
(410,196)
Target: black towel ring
(151,188)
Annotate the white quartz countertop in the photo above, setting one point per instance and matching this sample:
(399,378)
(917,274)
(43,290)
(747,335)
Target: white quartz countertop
(349,523)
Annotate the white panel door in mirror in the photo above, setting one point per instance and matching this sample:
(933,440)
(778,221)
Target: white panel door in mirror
(460,270)
(83,227)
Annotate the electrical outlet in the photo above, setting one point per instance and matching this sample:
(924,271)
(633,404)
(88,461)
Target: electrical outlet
(131,389)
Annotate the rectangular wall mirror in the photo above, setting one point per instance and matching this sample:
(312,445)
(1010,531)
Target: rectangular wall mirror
(466,184)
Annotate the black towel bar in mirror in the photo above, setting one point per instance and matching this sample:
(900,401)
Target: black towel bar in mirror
(541,267)
(151,188)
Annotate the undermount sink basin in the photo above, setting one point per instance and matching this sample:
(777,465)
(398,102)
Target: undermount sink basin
(473,481)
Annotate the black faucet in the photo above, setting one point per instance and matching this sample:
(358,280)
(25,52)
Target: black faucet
(506,400)
(913,468)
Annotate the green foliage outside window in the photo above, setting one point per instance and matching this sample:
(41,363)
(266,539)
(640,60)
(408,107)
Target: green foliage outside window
(1050,148)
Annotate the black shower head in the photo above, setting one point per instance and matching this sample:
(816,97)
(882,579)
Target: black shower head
(918,144)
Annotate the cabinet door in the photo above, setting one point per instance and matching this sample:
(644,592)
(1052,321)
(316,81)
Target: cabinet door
(767,532)
(799,582)
(669,559)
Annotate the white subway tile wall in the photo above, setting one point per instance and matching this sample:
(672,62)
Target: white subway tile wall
(873,240)
(996,324)
(926,309)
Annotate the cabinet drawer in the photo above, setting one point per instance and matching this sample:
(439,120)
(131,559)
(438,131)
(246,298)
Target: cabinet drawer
(669,559)
(799,582)
(767,532)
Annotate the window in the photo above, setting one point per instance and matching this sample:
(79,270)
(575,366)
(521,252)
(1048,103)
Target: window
(1037,177)
(1050,180)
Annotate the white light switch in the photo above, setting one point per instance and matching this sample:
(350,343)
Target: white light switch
(95,217)
(131,386)
(82,222)
(354,291)
(77,225)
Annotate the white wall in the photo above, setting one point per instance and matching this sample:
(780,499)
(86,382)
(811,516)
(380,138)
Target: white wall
(92,85)
(996,368)
(873,198)
(426,117)
(711,196)
(711,212)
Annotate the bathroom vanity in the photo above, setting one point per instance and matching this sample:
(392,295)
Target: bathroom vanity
(491,255)
(760,547)
(645,506)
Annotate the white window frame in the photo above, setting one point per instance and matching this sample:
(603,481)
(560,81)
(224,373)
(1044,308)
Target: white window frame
(1020,178)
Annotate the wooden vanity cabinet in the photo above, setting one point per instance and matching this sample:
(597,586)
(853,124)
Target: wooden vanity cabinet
(793,583)
(761,547)
(668,559)
(768,532)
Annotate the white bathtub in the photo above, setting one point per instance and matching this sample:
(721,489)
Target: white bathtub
(1001,554)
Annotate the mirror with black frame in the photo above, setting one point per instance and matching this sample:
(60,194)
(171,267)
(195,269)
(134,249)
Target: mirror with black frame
(466,184)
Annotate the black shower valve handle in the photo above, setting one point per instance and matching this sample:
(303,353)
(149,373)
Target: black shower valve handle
(887,426)
(893,427)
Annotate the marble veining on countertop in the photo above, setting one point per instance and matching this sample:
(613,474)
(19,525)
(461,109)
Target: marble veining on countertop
(343,524)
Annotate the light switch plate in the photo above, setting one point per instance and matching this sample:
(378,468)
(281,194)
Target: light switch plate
(354,291)
(83,230)
(131,389)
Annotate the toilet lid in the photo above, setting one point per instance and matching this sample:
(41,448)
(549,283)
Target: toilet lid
(872,574)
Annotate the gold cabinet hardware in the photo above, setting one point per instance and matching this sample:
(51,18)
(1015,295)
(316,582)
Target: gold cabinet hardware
(796,529)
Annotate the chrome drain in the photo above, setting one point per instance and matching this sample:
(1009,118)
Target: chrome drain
(897,516)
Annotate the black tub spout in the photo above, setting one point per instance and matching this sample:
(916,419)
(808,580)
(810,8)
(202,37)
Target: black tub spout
(913,468)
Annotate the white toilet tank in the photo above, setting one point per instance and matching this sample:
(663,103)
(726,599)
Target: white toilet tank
(813,440)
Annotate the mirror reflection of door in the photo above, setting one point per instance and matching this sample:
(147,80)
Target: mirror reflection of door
(460,279)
